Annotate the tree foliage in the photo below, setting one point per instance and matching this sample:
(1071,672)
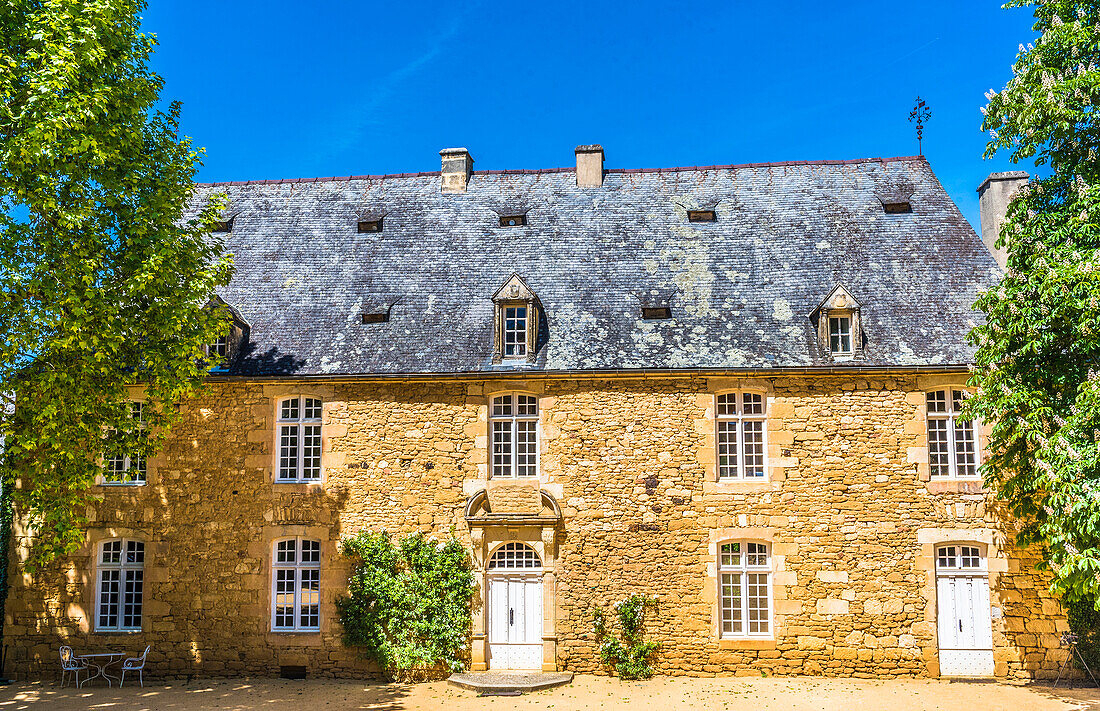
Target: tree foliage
(408,605)
(1038,358)
(104,275)
(632,656)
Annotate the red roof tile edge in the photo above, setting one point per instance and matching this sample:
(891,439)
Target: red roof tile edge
(540,171)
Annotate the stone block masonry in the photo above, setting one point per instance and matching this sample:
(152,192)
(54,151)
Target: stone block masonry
(846,508)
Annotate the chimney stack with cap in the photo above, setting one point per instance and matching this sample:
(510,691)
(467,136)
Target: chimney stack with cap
(994,195)
(456,170)
(589,166)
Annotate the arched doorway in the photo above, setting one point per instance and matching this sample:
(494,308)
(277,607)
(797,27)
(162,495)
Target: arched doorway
(965,625)
(515,607)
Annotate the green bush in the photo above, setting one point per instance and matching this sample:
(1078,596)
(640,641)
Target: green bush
(632,657)
(408,605)
(1084,620)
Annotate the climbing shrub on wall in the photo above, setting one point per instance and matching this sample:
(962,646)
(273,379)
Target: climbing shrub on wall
(408,605)
(632,656)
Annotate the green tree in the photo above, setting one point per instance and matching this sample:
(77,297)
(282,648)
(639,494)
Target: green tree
(1038,357)
(104,273)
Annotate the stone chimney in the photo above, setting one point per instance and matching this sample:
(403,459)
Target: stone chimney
(458,165)
(589,166)
(993,197)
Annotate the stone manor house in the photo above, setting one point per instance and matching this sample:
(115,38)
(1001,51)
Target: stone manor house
(733,388)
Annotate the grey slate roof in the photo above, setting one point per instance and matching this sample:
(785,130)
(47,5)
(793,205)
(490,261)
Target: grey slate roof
(741,288)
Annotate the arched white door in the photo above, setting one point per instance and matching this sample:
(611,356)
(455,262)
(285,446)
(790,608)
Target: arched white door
(515,608)
(965,625)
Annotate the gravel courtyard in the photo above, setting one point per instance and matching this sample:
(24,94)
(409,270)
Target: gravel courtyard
(586,692)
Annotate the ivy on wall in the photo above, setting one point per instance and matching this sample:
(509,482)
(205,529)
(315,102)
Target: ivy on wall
(408,604)
(631,657)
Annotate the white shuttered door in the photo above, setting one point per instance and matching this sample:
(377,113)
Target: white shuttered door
(515,622)
(965,625)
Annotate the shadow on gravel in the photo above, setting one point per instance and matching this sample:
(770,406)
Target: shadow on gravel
(222,694)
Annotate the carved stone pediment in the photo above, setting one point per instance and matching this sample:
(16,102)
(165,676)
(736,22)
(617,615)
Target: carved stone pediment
(480,511)
(515,289)
(839,299)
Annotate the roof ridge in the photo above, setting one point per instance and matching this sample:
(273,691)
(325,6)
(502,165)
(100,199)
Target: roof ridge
(540,171)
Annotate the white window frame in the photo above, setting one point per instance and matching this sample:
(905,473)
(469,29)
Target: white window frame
(744,569)
(294,450)
(122,566)
(840,334)
(724,419)
(298,568)
(512,556)
(220,348)
(964,558)
(953,427)
(511,424)
(126,462)
(518,334)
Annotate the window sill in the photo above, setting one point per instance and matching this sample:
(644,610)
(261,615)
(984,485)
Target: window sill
(123,484)
(738,486)
(116,633)
(298,485)
(746,644)
(291,638)
(955,486)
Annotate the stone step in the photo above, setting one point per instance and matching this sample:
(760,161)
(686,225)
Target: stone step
(505,682)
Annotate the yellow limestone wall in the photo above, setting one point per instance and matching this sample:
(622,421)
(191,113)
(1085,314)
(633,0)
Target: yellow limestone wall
(847,507)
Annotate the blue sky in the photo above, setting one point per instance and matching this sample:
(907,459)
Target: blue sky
(292,89)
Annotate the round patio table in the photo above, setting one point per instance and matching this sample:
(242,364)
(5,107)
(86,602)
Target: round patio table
(101,661)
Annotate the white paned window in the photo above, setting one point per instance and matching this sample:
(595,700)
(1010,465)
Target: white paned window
(744,589)
(220,347)
(299,434)
(515,331)
(952,442)
(514,426)
(125,467)
(514,556)
(959,557)
(740,436)
(120,585)
(840,335)
(296,586)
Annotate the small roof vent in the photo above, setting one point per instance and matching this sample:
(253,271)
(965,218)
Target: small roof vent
(896,199)
(370,225)
(223,226)
(650,313)
(513,220)
(702,216)
(377,307)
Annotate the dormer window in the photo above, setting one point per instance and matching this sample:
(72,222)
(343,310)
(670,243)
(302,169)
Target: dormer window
(701,216)
(840,335)
(513,220)
(516,322)
(515,331)
(839,325)
(370,226)
(222,226)
(226,346)
(219,348)
(376,317)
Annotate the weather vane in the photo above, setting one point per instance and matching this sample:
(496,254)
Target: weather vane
(920,114)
